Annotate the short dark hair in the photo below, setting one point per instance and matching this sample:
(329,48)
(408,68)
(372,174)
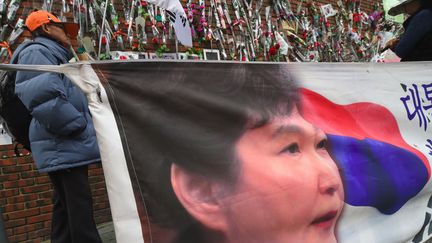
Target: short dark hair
(195,119)
(37,32)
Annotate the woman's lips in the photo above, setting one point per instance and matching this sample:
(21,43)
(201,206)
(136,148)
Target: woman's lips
(326,220)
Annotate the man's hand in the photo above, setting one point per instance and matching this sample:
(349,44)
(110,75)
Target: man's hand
(391,44)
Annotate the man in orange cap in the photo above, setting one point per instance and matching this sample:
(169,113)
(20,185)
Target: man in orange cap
(61,133)
(42,22)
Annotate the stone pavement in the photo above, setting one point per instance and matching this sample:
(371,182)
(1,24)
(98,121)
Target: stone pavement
(106,232)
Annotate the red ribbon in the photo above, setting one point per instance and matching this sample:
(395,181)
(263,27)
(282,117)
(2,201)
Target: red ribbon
(5,44)
(119,32)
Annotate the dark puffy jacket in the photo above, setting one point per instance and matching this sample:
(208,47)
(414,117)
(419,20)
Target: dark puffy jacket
(422,51)
(416,43)
(61,132)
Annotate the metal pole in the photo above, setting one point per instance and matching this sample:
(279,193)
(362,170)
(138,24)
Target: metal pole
(176,46)
(102,28)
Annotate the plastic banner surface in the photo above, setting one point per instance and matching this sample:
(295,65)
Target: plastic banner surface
(258,152)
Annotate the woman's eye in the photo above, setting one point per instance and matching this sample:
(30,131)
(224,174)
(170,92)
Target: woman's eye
(292,148)
(322,144)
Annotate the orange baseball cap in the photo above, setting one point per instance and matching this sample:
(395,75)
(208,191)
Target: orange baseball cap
(40,17)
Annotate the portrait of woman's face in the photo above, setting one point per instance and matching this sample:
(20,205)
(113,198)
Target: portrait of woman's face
(289,188)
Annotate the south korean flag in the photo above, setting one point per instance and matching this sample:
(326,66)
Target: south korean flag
(178,18)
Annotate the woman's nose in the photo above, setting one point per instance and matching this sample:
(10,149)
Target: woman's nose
(329,181)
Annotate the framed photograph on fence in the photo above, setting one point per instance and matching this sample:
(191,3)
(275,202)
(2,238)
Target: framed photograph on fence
(128,55)
(169,56)
(143,55)
(211,54)
(182,56)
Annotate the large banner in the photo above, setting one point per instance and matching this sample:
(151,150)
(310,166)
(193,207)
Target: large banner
(4,137)
(267,153)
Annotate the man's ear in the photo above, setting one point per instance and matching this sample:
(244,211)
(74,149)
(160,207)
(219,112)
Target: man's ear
(200,196)
(46,29)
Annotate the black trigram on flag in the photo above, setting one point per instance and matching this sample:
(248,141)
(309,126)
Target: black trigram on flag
(172,17)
